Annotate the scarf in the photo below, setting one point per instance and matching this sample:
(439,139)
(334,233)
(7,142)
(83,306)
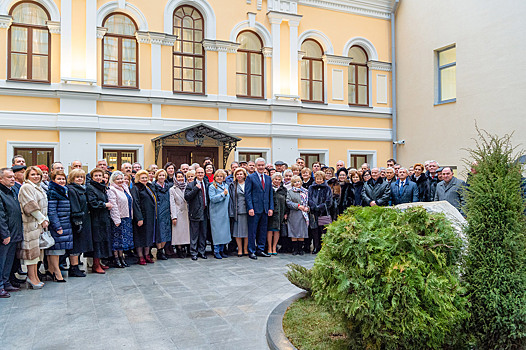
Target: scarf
(304,194)
(180,185)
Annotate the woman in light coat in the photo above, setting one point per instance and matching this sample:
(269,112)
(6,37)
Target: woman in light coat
(219,218)
(121,216)
(33,201)
(298,219)
(179,214)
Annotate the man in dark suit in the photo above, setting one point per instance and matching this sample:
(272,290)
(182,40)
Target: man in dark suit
(196,194)
(260,205)
(377,190)
(451,189)
(403,190)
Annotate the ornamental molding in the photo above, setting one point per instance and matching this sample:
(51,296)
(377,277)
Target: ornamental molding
(286,6)
(300,55)
(220,46)
(54,27)
(142,37)
(5,21)
(267,52)
(155,38)
(101,31)
(337,60)
(276,17)
(371,8)
(378,65)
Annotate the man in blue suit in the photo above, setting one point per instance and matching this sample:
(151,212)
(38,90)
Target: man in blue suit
(403,190)
(260,205)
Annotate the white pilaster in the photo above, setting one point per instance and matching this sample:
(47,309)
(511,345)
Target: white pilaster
(91,40)
(75,144)
(285,149)
(275,22)
(294,78)
(156,41)
(222,67)
(65,40)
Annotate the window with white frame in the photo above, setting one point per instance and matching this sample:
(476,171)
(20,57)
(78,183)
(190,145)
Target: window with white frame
(447,76)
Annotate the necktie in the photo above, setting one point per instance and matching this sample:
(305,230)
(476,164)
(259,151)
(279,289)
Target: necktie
(262,181)
(203,193)
(401,187)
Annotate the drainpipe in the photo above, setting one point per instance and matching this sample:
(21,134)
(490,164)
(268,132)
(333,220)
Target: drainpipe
(393,77)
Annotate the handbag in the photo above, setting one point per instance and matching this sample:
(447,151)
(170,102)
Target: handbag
(45,240)
(325,219)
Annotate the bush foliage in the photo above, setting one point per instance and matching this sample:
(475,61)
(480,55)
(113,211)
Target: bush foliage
(300,276)
(496,260)
(392,277)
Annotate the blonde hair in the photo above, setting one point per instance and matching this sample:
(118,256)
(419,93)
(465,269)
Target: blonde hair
(305,171)
(156,176)
(74,173)
(319,174)
(219,172)
(295,179)
(294,167)
(35,168)
(139,173)
(234,174)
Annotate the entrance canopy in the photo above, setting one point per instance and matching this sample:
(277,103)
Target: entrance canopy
(198,135)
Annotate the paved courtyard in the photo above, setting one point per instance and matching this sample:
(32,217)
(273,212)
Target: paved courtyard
(173,304)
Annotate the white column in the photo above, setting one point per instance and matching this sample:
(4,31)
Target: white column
(275,22)
(91,40)
(222,68)
(294,78)
(65,39)
(285,149)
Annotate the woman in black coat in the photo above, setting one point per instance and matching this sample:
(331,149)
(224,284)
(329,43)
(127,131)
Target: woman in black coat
(346,193)
(162,193)
(99,207)
(356,187)
(279,215)
(320,202)
(80,217)
(145,224)
(421,180)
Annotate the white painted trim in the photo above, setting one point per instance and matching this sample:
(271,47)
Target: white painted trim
(129,9)
(365,44)
(372,157)
(372,8)
(263,150)
(276,59)
(11,145)
(320,37)
(91,40)
(202,5)
(258,28)
(294,69)
(222,69)
(118,146)
(324,154)
(54,13)
(66,51)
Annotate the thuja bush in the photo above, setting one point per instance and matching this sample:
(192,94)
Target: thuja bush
(392,277)
(496,258)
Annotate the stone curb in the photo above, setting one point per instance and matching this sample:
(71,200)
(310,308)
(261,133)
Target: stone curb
(276,338)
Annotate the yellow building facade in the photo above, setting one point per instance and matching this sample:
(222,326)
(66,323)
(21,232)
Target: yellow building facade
(87,79)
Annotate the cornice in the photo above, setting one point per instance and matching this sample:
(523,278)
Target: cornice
(337,60)
(378,65)
(220,46)
(286,6)
(267,52)
(371,8)
(54,27)
(155,38)
(276,17)
(5,21)
(101,31)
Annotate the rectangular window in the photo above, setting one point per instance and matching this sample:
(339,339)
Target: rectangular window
(447,77)
(36,156)
(310,158)
(115,158)
(357,160)
(249,156)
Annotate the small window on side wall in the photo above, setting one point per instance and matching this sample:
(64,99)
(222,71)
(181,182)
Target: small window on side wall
(447,75)
(36,156)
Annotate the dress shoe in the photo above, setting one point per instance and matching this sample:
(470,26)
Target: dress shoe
(262,254)
(74,271)
(194,257)
(315,251)
(302,252)
(123,262)
(148,259)
(11,289)
(4,294)
(18,281)
(252,256)
(16,284)
(218,256)
(55,279)
(202,256)
(224,255)
(142,261)
(117,263)
(161,255)
(34,286)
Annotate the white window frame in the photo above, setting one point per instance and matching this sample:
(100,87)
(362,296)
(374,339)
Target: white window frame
(124,147)
(11,145)
(371,156)
(438,84)
(263,150)
(324,154)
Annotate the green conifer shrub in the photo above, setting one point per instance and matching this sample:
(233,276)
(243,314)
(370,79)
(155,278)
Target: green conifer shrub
(300,276)
(392,277)
(495,269)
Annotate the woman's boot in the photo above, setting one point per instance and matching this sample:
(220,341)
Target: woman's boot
(96,266)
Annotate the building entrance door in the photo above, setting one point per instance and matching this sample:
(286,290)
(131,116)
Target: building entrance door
(189,155)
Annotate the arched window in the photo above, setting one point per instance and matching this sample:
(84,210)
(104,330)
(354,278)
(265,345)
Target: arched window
(249,65)
(358,77)
(312,72)
(189,58)
(120,52)
(29,44)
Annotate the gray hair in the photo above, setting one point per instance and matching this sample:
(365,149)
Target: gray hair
(260,160)
(433,161)
(114,176)
(287,171)
(402,168)
(3,170)
(390,168)
(277,174)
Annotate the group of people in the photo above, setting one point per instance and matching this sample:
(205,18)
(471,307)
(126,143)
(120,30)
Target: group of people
(251,209)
